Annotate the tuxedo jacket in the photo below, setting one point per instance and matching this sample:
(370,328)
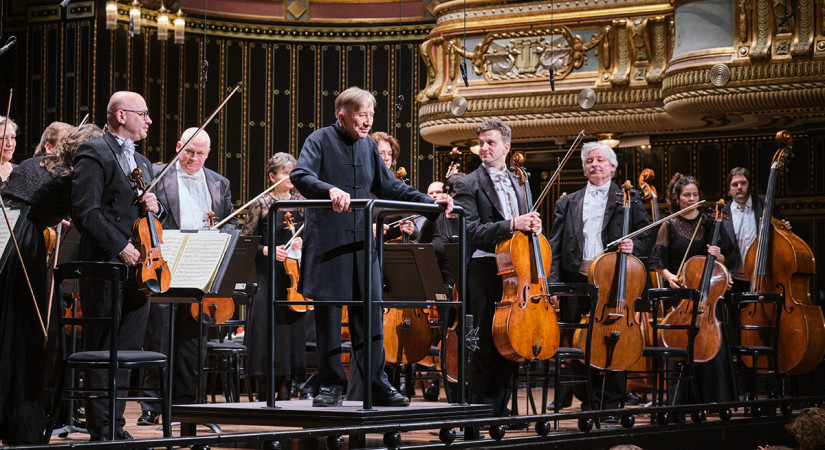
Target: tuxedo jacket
(169,196)
(486,224)
(757,205)
(567,234)
(104,204)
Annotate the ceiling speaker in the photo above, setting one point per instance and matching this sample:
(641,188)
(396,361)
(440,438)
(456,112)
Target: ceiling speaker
(458,106)
(719,74)
(587,98)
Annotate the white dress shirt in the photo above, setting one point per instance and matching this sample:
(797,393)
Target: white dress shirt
(195,200)
(744,226)
(128,148)
(595,200)
(506,196)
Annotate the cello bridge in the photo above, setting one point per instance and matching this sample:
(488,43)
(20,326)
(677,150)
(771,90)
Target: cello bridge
(615,316)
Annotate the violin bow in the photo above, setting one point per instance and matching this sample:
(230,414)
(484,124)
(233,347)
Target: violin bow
(558,171)
(192,138)
(246,205)
(643,229)
(83,122)
(692,238)
(289,242)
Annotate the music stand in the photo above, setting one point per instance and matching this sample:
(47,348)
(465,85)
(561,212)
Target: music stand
(411,273)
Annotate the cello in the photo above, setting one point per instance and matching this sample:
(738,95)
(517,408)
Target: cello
(617,341)
(779,261)
(407,333)
(711,278)
(525,326)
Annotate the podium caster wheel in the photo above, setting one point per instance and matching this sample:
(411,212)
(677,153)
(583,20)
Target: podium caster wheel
(725,414)
(787,409)
(585,424)
(628,421)
(698,416)
(663,418)
(271,445)
(497,431)
(335,442)
(446,435)
(543,428)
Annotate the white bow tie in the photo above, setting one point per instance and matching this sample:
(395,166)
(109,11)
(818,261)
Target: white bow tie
(186,175)
(128,147)
(598,192)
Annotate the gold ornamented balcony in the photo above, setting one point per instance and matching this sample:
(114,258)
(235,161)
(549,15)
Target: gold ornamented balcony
(631,67)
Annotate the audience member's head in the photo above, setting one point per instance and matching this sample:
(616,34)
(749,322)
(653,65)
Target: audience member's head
(808,428)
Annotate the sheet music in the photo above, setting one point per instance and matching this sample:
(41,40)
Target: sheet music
(5,235)
(170,248)
(199,260)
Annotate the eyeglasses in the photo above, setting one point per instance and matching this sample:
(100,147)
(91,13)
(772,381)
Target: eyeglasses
(363,115)
(143,114)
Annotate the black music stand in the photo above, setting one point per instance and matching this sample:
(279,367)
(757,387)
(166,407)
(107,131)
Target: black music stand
(411,273)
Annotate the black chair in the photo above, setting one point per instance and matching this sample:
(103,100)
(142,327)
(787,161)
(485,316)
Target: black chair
(225,358)
(566,291)
(661,354)
(769,336)
(110,360)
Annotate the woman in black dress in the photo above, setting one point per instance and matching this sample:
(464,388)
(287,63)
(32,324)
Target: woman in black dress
(290,326)
(43,184)
(715,378)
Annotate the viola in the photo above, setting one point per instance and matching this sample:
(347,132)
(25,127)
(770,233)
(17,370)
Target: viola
(779,261)
(617,340)
(293,270)
(525,326)
(711,278)
(153,275)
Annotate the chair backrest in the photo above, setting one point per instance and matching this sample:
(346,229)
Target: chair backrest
(567,291)
(114,273)
(742,300)
(667,297)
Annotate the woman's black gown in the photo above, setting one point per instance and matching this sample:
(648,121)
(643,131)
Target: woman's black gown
(23,358)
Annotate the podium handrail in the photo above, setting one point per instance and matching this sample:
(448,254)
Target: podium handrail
(368,205)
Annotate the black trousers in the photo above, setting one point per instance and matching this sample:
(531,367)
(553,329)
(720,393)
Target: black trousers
(490,374)
(609,386)
(96,297)
(185,353)
(328,340)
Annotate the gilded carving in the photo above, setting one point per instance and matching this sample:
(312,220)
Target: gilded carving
(762,46)
(621,74)
(803,41)
(745,11)
(640,41)
(782,16)
(658,62)
(507,56)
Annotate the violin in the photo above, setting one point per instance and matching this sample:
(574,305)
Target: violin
(779,261)
(293,270)
(216,310)
(711,278)
(617,340)
(525,326)
(153,275)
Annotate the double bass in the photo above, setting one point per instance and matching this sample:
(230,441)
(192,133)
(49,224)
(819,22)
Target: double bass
(711,278)
(617,341)
(525,326)
(779,261)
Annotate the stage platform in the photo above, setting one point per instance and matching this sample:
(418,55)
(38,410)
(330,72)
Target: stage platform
(301,413)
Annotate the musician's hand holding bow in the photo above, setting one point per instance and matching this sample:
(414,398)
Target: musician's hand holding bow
(527,222)
(150,203)
(280,253)
(626,246)
(406,227)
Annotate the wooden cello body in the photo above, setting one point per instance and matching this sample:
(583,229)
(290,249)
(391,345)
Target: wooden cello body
(525,326)
(617,342)
(779,261)
(711,278)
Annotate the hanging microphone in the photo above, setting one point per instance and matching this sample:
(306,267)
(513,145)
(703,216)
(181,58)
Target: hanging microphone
(9,44)
(552,79)
(64,3)
(399,105)
(463,66)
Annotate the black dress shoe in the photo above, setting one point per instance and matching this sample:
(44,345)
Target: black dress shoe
(124,435)
(431,393)
(328,396)
(148,418)
(631,398)
(389,397)
(562,405)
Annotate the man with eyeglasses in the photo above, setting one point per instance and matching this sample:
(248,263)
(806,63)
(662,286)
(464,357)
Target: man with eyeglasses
(104,210)
(341,162)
